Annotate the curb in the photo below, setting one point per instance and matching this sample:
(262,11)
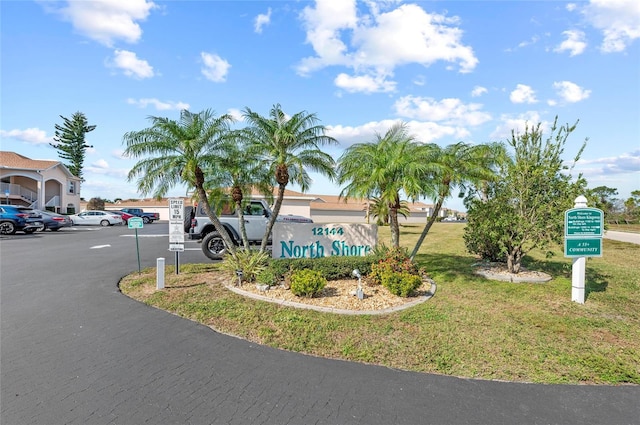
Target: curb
(286,303)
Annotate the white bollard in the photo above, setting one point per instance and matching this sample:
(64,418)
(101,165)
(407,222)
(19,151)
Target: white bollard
(160,273)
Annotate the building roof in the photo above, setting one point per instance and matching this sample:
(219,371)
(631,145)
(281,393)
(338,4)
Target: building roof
(14,160)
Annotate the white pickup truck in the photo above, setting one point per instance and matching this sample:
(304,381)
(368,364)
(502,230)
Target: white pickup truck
(256,217)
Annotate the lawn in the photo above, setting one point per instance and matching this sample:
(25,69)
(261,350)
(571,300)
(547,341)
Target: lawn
(472,327)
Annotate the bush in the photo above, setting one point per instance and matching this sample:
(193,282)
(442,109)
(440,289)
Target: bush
(401,284)
(307,282)
(95,204)
(331,268)
(394,260)
(250,262)
(267,277)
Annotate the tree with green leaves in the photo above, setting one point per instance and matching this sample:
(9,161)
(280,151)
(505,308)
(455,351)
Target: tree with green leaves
(632,207)
(287,146)
(180,152)
(524,208)
(385,168)
(456,166)
(70,142)
(603,197)
(96,204)
(238,175)
(380,210)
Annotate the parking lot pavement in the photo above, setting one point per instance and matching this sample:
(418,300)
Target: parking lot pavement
(77,351)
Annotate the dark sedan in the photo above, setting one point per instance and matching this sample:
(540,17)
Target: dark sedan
(53,221)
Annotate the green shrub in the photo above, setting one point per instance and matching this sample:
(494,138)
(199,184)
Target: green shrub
(307,282)
(267,277)
(401,283)
(250,262)
(331,268)
(394,260)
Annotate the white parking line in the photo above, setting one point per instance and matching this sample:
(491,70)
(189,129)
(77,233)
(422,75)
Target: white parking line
(99,246)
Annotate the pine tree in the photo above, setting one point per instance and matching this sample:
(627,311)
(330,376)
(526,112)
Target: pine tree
(70,141)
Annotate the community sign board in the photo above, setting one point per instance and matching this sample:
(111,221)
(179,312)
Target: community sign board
(311,240)
(583,231)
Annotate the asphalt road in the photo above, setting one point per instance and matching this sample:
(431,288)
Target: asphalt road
(74,350)
(623,236)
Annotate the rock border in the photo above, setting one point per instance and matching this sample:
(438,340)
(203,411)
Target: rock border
(488,274)
(418,300)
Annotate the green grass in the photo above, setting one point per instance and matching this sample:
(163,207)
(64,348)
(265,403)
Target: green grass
(473,327)
(631,228)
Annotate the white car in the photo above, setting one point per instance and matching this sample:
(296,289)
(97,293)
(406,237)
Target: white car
(96,218)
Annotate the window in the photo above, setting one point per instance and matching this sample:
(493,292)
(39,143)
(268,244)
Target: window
(72,187)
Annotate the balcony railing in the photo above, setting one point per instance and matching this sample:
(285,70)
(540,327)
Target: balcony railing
(10,189)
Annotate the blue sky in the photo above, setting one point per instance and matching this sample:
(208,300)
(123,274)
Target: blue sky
(458,70)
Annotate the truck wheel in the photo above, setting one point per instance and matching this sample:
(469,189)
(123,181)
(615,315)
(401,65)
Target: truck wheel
(213,246)
(146,220)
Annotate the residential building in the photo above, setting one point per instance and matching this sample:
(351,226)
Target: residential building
(42,184)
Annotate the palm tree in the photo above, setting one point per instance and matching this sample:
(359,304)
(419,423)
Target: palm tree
(380,210)
(287,146)
(239,174)
(174,152)
(457,165)
(384,168)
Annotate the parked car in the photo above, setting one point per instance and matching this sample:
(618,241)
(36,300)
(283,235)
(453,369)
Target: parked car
(147,217)
(96,218)
(53,221)
(125,215)
(14,218)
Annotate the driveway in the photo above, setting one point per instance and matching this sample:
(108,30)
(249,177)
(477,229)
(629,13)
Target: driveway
(74,350)
(623,236)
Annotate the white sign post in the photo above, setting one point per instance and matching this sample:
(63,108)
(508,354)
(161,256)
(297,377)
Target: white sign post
(583,229)
(176,228)
(136,223)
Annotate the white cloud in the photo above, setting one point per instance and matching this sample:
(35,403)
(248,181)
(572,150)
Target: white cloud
(625,163)
(374,44)
(130,65)
(101,163)
(106,21)
(517,123)
(448,111)
(478,91)
(523,94)
(33,136)
(215,68)
(235,113)
(364,83)
(158,104)
(571,7)
(118,154)
(619,21)
(262,20)
(533,40)
(102,168)
(571,92)
(425,132)
(574,43)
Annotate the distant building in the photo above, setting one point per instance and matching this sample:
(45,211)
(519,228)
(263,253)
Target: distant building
(42,184)
(320,208)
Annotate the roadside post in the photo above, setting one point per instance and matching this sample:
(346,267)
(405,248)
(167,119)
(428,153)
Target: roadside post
(136,223)
(583,231)
(176,228)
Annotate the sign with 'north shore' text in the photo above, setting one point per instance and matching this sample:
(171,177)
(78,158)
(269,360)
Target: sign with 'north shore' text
(314,240)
